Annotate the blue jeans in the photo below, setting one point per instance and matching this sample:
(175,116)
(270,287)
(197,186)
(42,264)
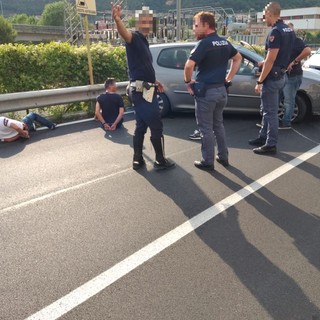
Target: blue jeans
(31,117)
(209,116)
(289,92)
(270,105)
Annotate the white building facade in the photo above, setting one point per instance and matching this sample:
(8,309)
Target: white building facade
(307,19)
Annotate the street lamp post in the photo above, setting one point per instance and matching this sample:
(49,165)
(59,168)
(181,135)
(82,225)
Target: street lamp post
(178,30)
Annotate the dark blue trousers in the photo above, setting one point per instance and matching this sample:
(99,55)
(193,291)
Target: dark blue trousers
(147,115)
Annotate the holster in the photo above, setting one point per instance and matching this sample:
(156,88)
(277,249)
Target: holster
(276,73)
(199,89)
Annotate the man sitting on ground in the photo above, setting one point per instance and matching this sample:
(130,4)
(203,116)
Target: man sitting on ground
(110,107)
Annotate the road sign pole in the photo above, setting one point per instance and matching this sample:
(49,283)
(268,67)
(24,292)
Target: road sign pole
(86,25)
(178,20)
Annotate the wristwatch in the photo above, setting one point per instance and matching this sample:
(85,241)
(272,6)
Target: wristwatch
(259,82)
(185,81)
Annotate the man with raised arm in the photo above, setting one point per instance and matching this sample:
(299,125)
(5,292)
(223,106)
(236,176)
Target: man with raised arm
(143,87)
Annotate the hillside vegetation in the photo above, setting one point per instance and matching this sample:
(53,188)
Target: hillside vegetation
(35,7)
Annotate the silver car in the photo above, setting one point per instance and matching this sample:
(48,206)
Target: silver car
(169,60)
(313,61)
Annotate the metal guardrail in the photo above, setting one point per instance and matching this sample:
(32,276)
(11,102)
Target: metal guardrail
(18,101)
(27,28)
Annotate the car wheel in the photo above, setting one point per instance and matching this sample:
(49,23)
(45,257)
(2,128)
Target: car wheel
(302,109)
(299,112)
(164,104)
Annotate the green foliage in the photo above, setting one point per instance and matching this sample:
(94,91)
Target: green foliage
(17,68)
(131,22)
(59,112)
(108,62)
(312,37)
(259,49)
(23,19)
(57,65)
(7,33)
(53,14)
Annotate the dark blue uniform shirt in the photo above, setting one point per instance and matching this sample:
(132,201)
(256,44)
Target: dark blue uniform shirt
(139,59)
(281,37)
(211,54)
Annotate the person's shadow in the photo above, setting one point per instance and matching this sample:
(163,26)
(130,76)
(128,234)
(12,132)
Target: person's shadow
(275,290)
(9,149)
(303,227)
(120,136)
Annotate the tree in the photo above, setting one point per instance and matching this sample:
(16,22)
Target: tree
(7,33)
(23,18)
(53,14)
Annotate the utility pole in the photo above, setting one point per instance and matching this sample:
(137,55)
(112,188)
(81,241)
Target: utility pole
(178,31)
(87,7)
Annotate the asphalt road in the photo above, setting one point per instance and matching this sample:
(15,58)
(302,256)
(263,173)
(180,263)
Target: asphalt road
(83,236)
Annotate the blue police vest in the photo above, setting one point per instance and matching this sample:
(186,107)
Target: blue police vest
(282,37)
(211,55)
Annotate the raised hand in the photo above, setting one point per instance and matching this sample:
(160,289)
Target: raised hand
(116,10)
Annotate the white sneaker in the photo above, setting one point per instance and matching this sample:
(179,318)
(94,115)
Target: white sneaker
(196,135)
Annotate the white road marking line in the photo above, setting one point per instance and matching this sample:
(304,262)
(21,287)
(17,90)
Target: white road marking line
(77,121)
(74,187)
(105,279)
(54,193)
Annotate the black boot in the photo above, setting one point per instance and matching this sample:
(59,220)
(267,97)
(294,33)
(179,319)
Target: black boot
(161,162)
(138,161)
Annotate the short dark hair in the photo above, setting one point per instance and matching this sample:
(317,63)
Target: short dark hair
(206,17)
(109,82)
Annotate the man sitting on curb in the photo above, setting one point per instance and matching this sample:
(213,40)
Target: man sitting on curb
(11,130)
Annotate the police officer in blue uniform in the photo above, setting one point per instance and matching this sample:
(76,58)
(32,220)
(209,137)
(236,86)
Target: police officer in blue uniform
(143,87)
(278,47)
(211,56)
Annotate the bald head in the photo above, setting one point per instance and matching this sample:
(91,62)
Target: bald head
(274,8)
(271,13)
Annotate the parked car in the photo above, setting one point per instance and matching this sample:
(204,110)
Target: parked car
(169,60)
(313,61)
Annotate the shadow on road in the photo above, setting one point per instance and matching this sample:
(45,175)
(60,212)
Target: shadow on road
(276,291)
(9,149)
